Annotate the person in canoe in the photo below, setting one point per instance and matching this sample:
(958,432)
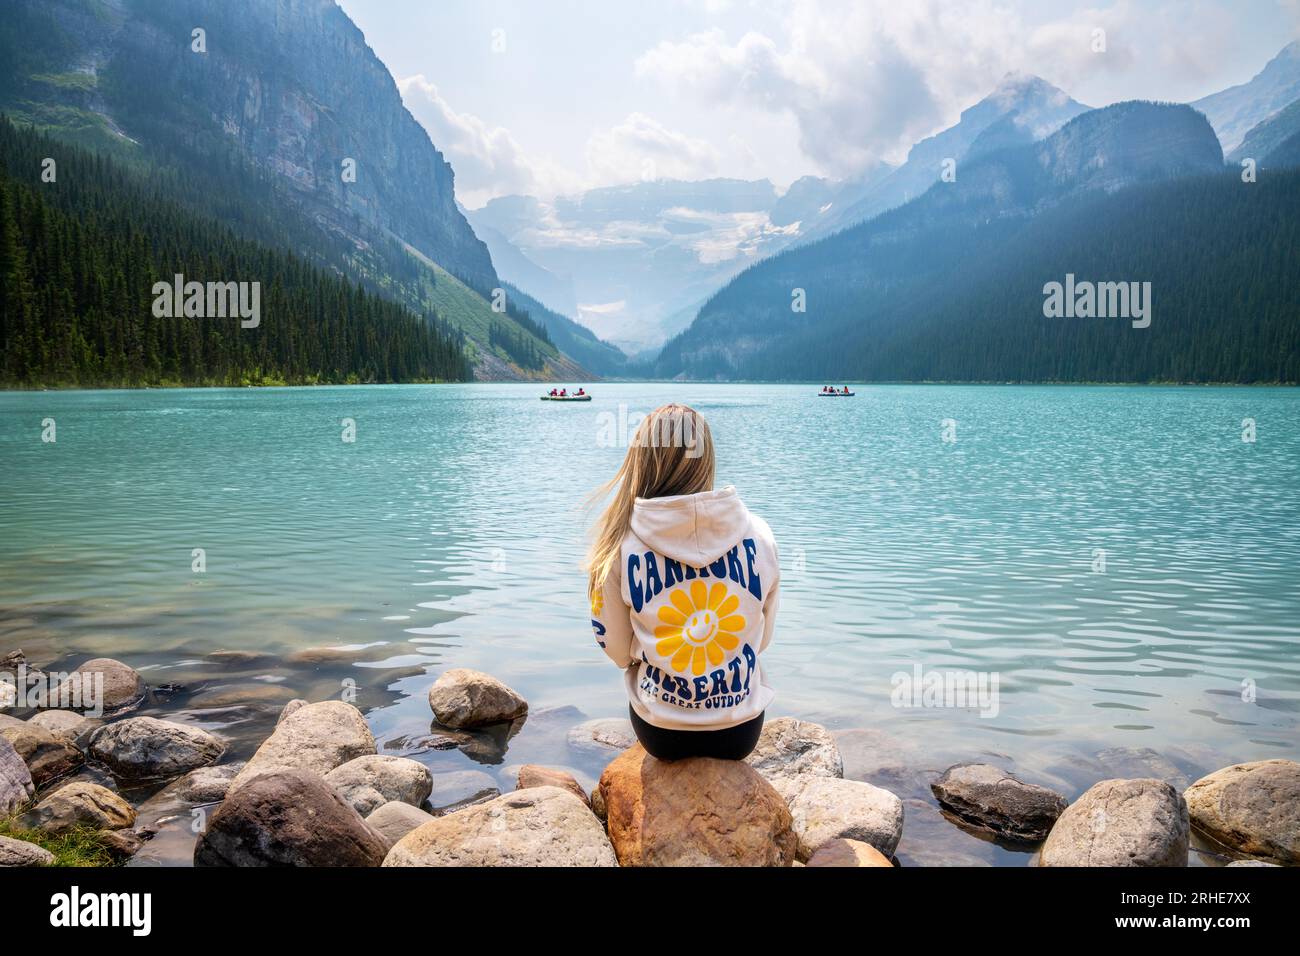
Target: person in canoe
(564,393)
(554,393)
(581,392)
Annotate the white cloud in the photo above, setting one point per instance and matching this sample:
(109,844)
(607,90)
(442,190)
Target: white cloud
(642,149)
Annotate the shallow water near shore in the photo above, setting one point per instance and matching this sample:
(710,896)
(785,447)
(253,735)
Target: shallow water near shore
(450,534)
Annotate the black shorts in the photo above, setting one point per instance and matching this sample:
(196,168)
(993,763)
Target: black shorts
(731,743)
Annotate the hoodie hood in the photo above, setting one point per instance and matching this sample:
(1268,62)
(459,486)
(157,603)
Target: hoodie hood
(693,529)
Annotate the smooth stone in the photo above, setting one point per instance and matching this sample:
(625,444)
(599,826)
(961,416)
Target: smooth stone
(16,787)
(1121,823)
(532,775)
(237,657)
(829,808)
(1251,808)
(790,748)
(80,805)
(122,844)
(288,817)
(396,819)
(604,735)
(540,826)
(67,723)
(1139,763)
(21,853)
(848,853)
(146,748)
(233,695)
(48,755)
(1251,863)
(206,784)
(124,689)
(315,737)
(289,709)
(992,799)
(460,786)
(462,697)
(371,781)
(694,812)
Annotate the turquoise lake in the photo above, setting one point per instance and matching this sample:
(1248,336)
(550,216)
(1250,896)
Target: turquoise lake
(1118,558)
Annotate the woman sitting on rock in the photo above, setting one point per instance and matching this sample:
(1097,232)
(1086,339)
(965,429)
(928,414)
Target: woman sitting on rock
(683,586)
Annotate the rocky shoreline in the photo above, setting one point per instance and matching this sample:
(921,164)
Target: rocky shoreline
(317,793)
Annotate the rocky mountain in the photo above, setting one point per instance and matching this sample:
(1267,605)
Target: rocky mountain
(1274,142)
(1234,111)
(277,102)
(875,274)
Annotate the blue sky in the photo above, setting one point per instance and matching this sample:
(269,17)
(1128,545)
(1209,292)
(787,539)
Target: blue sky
(548,96)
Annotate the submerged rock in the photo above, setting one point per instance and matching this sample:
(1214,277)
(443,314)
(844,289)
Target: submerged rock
(316,737)
(848,853)
(541,826)
(371,781)
(532,775)
(1252,808)
(288,817)
(695,812)
(468,698)
(80,805)
(455,787)
(789,748)
(829,808)
(48,755)
(992,799)
(605,735)
(1121,823)
(146,748)
(21,853)
(396,819)
(16,786)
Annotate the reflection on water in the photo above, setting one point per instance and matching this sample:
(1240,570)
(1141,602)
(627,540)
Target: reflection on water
(450,534)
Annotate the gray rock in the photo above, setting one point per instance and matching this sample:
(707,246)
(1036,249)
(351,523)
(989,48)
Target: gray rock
(462,697)
(830,808)
(123,688)
(21,853)
(396,819)
(80,805)
(16,786)
(1121,823)
(316,737)
(994,800)
(540,826)
(460,786)
(371,781)
(146,748)
(1251,863)
(605,736)
(67,723)
(1251,808)
(207,784)
(288,818)
(789,748)
(1139,763)
(48,756)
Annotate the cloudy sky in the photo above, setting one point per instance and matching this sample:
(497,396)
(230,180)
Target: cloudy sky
(553,96)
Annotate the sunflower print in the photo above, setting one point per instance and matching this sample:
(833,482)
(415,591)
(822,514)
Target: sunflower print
(699,627)
(597,604)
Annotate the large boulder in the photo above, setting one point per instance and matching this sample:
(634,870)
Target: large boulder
(68,723)
(695,812)
(1121,823)
(146,748)
(123,688)
(48,755)
(991,799)
(288,817)
(605,736)
(316,737)
(848,853)
(16,786)
(467,698)
(370,781)
(1252,808)
(80,804)
(828,808)
(396,819)
(532,775)
(790,748)
(21,853)
(541,826)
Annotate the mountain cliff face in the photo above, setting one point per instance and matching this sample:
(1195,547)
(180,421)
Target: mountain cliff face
(1274,142)
(1232,112)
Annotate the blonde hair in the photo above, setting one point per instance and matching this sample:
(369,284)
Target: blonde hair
(671,454)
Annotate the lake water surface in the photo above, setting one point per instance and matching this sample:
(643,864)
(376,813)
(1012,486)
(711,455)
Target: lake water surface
(450,534)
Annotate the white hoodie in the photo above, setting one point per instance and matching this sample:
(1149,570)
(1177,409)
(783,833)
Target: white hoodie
(688,609)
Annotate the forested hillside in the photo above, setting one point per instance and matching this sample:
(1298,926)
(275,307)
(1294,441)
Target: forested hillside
(79,258)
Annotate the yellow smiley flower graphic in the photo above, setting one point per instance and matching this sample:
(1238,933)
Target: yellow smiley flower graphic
(697,628)
(597,604)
